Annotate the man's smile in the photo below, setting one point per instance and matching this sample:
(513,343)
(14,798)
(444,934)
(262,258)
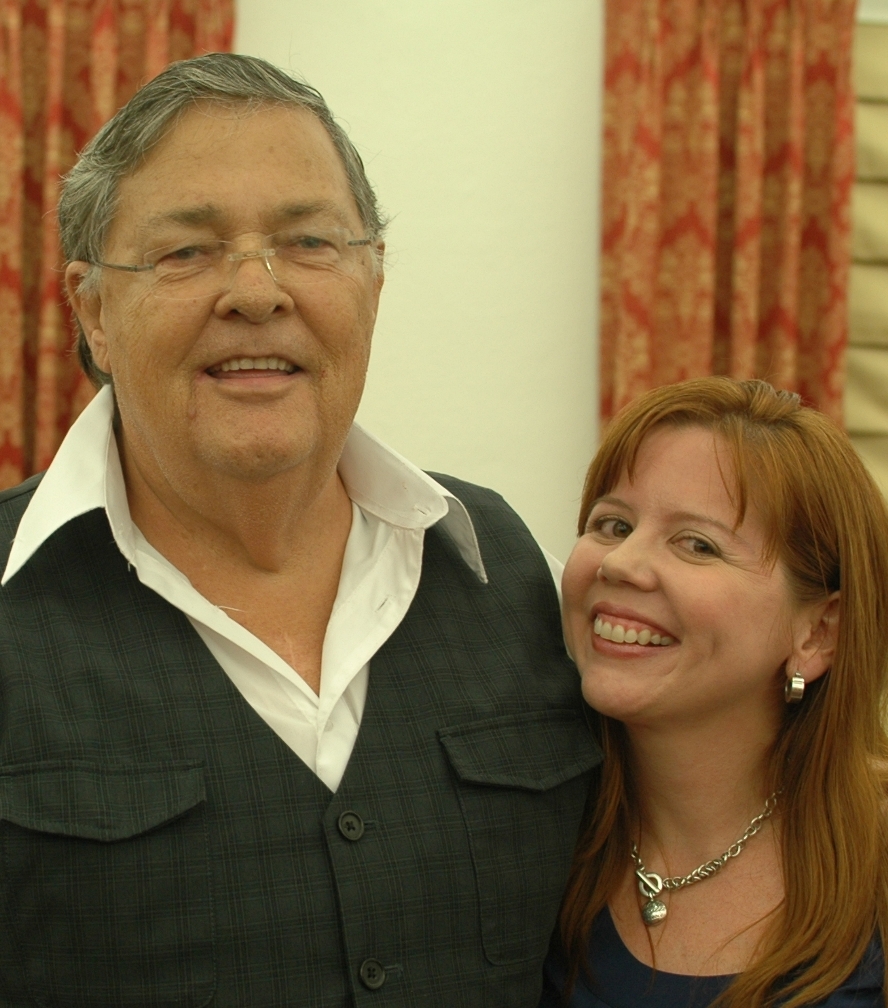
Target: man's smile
(252,367)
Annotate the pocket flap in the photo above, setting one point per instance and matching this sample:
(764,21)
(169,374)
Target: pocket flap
(534,751)
(82,798)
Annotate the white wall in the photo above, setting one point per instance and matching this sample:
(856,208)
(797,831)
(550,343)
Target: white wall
(479,124)
(873,11)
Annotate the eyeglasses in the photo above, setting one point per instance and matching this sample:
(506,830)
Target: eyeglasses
(194,269)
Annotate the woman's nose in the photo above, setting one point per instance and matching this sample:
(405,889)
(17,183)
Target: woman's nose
(629,563)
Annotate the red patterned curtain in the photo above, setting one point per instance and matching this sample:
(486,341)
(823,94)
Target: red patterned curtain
(65,67)
(728,165)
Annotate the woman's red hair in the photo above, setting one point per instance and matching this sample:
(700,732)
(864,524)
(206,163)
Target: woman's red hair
(829,528)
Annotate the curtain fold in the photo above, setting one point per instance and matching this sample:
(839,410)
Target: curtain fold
(728,166)
(66,66)
(12,362)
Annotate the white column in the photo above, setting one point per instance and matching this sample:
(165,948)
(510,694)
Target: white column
(479,123)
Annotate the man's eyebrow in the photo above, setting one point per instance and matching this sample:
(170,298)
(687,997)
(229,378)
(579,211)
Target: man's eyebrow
(293,211)
(183,215)
(195,216)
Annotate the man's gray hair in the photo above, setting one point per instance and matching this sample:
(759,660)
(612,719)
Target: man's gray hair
(88,200)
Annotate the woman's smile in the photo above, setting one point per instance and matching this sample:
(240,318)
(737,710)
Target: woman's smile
(626,634)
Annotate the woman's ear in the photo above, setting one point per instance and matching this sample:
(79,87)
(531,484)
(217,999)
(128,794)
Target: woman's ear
(816,638)
(88,309)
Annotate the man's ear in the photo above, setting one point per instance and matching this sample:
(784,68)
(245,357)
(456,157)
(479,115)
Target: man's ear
(816,639)
(379,264)
(88,309)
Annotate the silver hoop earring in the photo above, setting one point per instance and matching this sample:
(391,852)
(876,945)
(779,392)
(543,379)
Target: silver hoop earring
(794,689)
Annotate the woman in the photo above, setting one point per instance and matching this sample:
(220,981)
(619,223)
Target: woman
(727,606)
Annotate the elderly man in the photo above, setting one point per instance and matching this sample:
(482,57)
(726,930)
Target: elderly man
(284,721)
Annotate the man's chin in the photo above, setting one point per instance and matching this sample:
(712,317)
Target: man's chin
(258,462)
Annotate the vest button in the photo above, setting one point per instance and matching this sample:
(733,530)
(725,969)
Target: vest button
(351,826)
(372,974)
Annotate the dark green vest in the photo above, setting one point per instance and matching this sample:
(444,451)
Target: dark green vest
(160,846)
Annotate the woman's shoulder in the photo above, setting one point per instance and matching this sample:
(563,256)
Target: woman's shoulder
(865,987)
(614,979)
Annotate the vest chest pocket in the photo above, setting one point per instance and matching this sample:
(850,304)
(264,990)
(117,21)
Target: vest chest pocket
(105,881)
(522,786)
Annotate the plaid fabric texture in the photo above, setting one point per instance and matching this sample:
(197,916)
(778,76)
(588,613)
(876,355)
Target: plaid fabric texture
(160,846)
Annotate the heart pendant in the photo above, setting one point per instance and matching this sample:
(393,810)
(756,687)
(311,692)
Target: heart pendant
(653,912)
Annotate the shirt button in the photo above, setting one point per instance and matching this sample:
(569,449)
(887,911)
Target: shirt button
(351,826)
(372,974)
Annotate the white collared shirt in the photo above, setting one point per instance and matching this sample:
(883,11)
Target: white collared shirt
(393,503)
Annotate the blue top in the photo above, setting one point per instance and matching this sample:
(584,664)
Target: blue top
(621,981)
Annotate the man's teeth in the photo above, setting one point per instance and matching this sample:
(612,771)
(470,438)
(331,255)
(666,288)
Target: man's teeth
(618,633)
(257,364)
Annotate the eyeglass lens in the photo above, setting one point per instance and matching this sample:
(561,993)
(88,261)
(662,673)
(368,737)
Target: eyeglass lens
(200,268)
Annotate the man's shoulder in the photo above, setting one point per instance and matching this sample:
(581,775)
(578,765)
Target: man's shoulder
(25,489)
(13,504)
(469,493)
(500,530)
(15,500)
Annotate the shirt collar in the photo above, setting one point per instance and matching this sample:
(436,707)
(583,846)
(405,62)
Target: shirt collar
(381,481)
(86,474)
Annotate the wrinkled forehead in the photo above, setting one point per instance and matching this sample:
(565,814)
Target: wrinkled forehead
(226,164)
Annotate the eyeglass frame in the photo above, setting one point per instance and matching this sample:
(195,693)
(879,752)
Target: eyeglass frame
(233,257)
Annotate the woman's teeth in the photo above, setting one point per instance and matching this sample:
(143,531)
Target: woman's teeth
(257,364)
(618,633)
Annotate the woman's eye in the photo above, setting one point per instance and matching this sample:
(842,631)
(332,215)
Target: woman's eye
(697,546)
(611,528)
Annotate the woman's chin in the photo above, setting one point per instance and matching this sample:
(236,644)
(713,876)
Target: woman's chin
(621,701)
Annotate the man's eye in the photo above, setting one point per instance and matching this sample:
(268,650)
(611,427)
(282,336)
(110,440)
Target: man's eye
(609,527)
(185,255)
(303,242)
(309,248)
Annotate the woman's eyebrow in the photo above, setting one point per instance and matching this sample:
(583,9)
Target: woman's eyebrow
(694,517)
(701,519)
(615,501)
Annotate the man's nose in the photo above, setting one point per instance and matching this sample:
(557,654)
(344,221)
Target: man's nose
(253,290)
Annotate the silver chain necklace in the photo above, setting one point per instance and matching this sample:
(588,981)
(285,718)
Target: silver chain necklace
(650,884)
